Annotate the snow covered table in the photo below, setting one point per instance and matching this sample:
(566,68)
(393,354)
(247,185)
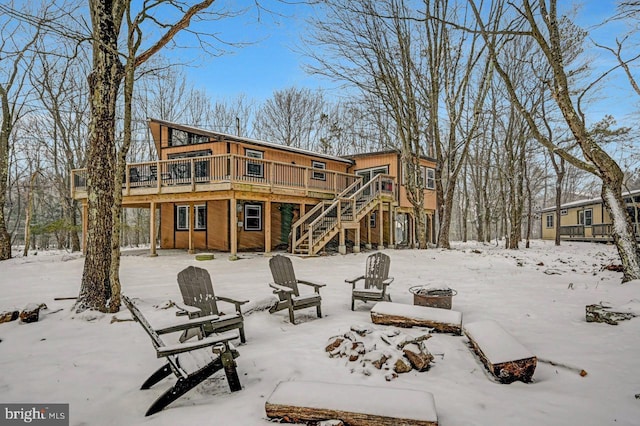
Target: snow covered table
(302,401)
(506,358)
(398,314)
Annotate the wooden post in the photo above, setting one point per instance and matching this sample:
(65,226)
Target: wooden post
(356,246)
(233,226)
(368,244)
(267,228)
(152,230)
(380,227)
(85,226)
(158,176)
(392,225)
(342,248)
(193,175)
(192,221)
(303,208)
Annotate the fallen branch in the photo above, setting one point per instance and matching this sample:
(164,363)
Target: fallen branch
(578,370)
(65,298)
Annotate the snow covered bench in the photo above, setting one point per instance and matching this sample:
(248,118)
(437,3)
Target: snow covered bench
(506,358)
(443,320)
(303,401)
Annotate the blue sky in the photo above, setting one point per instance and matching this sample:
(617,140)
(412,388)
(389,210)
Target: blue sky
(271,62)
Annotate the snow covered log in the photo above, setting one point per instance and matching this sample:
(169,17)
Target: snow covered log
(31,312)
(506,358)
(442,320)
(355,405)
(608,314)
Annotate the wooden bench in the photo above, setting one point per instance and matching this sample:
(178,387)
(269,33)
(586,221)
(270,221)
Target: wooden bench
(191,362)
(442,320)
(303,401)
(506,358)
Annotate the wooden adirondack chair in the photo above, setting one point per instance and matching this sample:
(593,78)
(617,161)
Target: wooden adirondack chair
(191,362)
(200,300)
(376,279)
(285,285)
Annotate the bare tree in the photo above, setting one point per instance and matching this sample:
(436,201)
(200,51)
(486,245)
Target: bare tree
(372,46)
(540,22)
(16,41)
(290,117)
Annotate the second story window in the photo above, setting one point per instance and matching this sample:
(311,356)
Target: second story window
(319,175)
(254,168)
(179,137)
(429,177)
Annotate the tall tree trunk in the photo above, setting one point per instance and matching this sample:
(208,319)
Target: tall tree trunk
(28,214)
(5,131)
(104,82)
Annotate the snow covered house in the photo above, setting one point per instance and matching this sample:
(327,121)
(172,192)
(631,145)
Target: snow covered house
(587,220)
(216,191)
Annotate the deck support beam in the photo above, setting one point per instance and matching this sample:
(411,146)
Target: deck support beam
(267,228)
(233,226)
(192,222)
(380,227)
(152,229)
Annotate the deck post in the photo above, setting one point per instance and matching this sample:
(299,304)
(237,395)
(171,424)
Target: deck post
(368,243)
(392,222)
(356,245)
(85,226)
(192,221)
(267,228)
(380,227)
(152,230)
(342,248)
(233,226)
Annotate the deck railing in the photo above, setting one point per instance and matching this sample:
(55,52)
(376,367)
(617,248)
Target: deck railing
(601,230)
(572,231)
(228,168)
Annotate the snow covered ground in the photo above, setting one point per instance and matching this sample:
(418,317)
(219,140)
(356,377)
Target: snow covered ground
(538,295)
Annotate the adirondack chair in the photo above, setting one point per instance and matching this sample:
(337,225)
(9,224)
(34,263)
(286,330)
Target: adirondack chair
(376,279)
(200,300)
(191,362)
(285,285)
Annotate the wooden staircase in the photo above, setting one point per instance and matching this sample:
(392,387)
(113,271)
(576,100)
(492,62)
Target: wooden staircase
(319,225)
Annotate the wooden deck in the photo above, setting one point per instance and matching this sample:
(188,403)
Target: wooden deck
(223,173)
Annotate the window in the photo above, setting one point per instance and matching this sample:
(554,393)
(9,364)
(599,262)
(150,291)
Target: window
(255,169)
(253,217)
(372,220)
(563,212)
(585,217)
(182,170)
(180,138)
(319,175)
(182,218)
(201,217)
(549,221)
(368,174)
(429,176)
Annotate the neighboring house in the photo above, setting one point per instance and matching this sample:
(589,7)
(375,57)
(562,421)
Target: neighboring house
(215,191)
(588,220)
